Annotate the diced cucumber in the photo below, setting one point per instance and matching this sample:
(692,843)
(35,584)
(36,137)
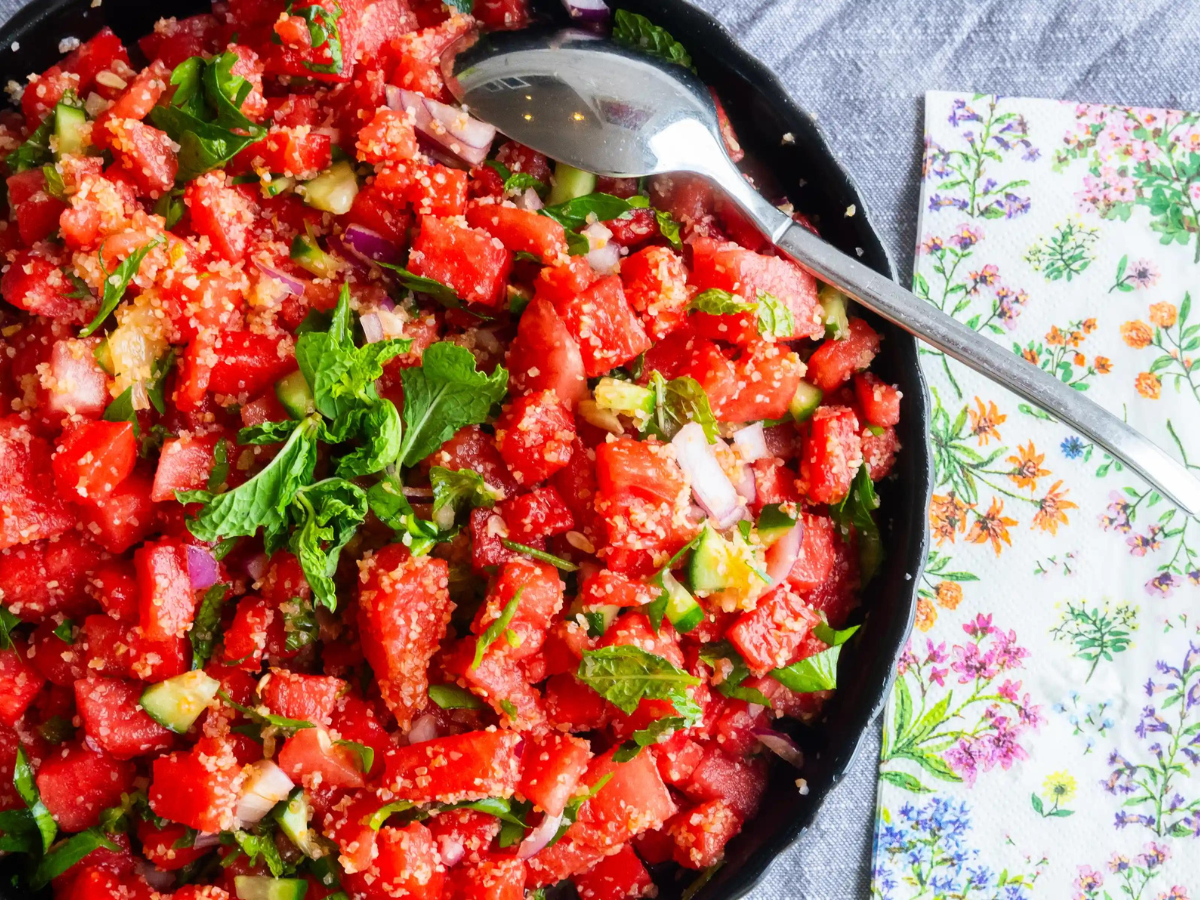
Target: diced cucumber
(277,185)
(518,299)
(264,887)
(333,190)
(805,401)
(307,255)
(682,609)
(177,702)
(570,183)
(598,618)
(103,356)
(774,523)
(293,818)
(721,564)
(295,395)
(833,303)
(624,397)
(70,130)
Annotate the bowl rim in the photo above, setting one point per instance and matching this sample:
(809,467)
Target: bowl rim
(714,34)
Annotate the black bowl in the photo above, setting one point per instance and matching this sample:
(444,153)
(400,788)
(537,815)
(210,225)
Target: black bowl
(805,170)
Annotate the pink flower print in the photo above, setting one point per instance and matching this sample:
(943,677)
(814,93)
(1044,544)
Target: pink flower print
(1177,892)
(1009,689)
(979,627)
(938,675)
(935,654)
(985,277)
(1087,883)
(1006,652)
(932,244)
(1117,517)
(970,664)
(1162,585)
(1154,855)
(1141,544)
(1143,273)
(966,237)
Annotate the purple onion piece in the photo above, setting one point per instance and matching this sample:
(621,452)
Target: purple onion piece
(291,283)
(587,10)
(710,485)
(372,328)
(752,441)
(450,127)
(203,570)
(781,745)
(537,839)
(370,246)
(782,554)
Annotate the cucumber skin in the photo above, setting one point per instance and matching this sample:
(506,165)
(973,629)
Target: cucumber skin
(805,401)
(570,183)
(196,686)
(294,394)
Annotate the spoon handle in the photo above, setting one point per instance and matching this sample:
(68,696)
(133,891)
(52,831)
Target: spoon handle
(894,303)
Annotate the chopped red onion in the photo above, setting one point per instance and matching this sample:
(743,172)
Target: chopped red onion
(451,127)
(372,329)
(605,255)
(423,729)
(782,554)
(370,246)
(781,745)
(256,566)
(753,709)
(537,839)
(529,200)
(451,851)
(752,442)
(156,877)
(292,284)
(587,10)
(203,570)
(205,840)
(710,485)
(265,785)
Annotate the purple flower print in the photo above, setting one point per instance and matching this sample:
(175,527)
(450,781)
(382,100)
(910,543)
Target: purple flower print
(1163,584)
(1117,516)
(937,201)
(966,237)
(960,112)
(1009,305)
(1140,545)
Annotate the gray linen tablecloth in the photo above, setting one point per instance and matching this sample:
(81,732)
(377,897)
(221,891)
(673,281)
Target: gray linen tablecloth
(862,67)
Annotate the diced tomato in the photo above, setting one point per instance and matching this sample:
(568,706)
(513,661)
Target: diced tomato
(689,198)
(544,356)
(607,588)
(559,284)
(655,282)
(310,755)
(616,877)
(499,682)
(407,865)
(569,856)
(519,158)
(814,562)
(403,610)
(473,263)
(135,102)
(534,434)
(739,783)
(159,846)
(93,458)
(174,40)
(503,13)
(551,768)
(247,636)
(347,824)
(44,91)
(114,719)
(540,513)
(835,361)
(467,766)
(633,227)
(431,189)
(605,326)
(371,209)
(388,137)
(77,782)
(184,464)
(198,787)
(19,683)
(634,629)
(293,151)
(167,602)
(832,454)
(248,362)
(878,400)
(145,152)
(701,833)
(37,213)
(541,597)
(73,384)
(521,230)
(774,483)
(57,661)
(632,801)
(298,696)
(770,635)
(46,578)
(114,586)
(677,758)
(879,451)
(118,650)
(122,517)
(471,448)
(29,508)
(492,878)
(220,213)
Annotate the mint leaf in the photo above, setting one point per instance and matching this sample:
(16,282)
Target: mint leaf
(573,214)
(54,182)
(668,228)
(492,633)
(379,429)
(366,755)
(626,675)
(717,302)
(322,32)
(7,623)
(832,636)
(206,624)
(65,631)
(558,562)
(660,729)
(456,492)
(774,318)
(262,501)
(386,499)
(272,432)
(715,656)
(269,719)
(35,151)
(381,815)
(220,469)
(677,402)
(328,513)
(853,512)
(26,785)
(67,854)
(260,846)
(503,809)
(638,32)
(419,284)
(443,394)
(121,409)
(116,281)
(451,696)
(814,673)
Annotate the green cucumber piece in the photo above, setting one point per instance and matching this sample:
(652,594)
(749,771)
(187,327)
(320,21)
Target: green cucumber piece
(624,397)
(774,523)
(264,887)
(598,618)
(833,306)
(103,355)
(570,183)
(277,185)
(70,130)
(721,564)
(177,702)
(805,401)
(309,256)
(295,394)
(293,818)
(682,609)
(332,191)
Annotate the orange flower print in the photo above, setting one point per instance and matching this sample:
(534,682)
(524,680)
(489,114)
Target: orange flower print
(1055,337)
(985,420)
(1027,467)
(1148,385)
(949,594)
(992,527)
(1052,509)
(1102,365)
(926,615)
(1080,359)
(1031,355)
(1089,325)
(1163,314)
(947,517)
(1137,334)
(1076,338)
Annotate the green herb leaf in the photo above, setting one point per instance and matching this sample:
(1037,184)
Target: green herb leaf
(558,562)
(660,729)
(269,719)
(322,32)
(502,809)
(722,657)
(451,696)
(328,512)
(54,182)
(419,284)
(574,214)
(813,673)
(669,228)
(270,432)
(458,491)
(262,501)
(26,785)
(832,636)
(116,281)
(121,409)
(35,151)
(492,633)
(626,675)
(443,394)
(366,755)
(381,815)
(717,302)
(67,854)
(677,402)
(206,624)
(261,846)
(220,469)
(65,631)
(853,513)
(7,623)
(386,499)
(774,318)
(637,31)
(300,626)
(379,431)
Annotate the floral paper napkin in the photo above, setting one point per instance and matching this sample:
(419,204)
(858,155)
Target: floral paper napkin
(1043,736)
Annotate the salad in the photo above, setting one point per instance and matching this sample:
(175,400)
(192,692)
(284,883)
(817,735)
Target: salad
(387,510)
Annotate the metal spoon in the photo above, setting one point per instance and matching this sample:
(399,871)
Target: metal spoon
(598,106)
